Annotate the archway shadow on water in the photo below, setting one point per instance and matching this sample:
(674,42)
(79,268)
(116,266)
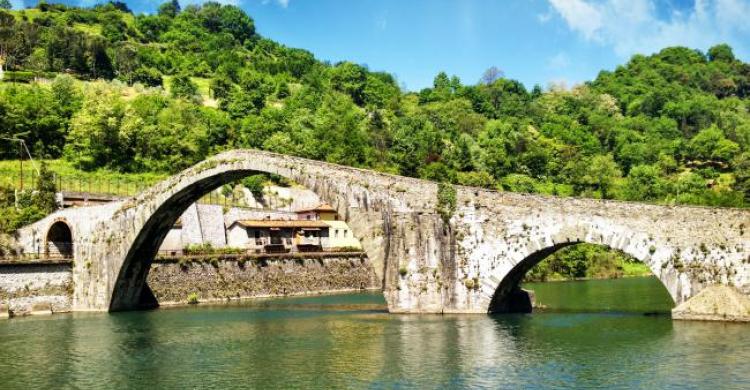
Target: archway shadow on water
(509,297)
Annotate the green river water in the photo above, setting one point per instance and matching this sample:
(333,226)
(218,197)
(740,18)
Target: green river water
(592,334)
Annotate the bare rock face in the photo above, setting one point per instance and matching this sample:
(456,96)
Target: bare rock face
(715,303)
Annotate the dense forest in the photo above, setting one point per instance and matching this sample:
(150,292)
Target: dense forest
(671,127)
(105,89)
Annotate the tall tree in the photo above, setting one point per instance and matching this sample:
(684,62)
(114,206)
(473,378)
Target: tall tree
(491,75)
(170,9)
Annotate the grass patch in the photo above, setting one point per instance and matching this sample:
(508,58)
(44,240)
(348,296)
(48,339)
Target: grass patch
(69,178)
(91,29)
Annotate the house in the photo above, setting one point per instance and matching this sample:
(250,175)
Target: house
(339,234)
(278,236)
(322,212)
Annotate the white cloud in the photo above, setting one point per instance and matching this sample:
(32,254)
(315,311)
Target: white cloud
(282,3)
(225,2)
(545,17)
(634,26)
(580,16)
(558,61)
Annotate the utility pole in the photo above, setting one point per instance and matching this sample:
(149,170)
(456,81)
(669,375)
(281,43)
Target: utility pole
(20,161)
(22,148)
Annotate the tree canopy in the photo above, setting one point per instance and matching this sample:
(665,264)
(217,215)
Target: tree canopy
(139,93)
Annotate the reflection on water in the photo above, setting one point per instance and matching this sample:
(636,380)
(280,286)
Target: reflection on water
(348,341)
(642,295)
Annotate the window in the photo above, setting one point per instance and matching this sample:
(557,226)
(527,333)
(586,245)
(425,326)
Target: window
(336,233)
(346,233)
(308,217)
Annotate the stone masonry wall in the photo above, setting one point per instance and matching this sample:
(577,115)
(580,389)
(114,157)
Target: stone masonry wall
(173,281)
(28,288)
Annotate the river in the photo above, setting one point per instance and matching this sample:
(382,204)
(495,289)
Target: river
(592,334)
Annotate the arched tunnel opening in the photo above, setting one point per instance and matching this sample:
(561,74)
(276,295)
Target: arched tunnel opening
(317,228)
(59,241)
(595,278)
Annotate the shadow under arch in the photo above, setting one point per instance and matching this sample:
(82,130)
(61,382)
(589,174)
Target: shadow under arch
(510,298)
(130,289)
(58,242)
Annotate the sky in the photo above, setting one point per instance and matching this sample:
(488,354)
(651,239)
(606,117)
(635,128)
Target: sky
(534,41)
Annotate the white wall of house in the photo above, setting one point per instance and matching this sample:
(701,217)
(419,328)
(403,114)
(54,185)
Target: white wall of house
(237,237)
(340,235)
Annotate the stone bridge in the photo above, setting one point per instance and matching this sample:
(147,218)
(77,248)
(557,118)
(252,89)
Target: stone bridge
(436,248)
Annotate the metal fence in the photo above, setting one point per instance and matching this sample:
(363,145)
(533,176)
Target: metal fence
(54,251)
(113,187)
(119,187)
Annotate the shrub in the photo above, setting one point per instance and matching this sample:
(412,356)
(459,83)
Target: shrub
(147,76)
(446,201)
(192,298)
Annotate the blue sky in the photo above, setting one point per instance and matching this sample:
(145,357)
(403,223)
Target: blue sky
(535,41)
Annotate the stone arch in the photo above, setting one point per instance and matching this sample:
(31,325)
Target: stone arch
(506,296)
(58,242)
(154,212)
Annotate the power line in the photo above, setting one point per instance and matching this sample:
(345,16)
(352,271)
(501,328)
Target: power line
(23,148)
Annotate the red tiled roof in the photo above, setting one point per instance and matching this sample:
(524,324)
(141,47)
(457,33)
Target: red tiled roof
(323,207)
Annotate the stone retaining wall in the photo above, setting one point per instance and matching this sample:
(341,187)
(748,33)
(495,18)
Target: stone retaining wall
(219,279)
(33,288)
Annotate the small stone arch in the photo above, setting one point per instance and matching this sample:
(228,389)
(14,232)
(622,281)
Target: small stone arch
(507,297)
(58,242)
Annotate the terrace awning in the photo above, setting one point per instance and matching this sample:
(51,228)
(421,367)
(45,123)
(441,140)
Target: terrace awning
(279,224)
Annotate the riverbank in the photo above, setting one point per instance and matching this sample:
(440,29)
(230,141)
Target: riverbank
(46,287)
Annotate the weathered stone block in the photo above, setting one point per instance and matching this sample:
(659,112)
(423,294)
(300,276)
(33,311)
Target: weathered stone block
(41,308)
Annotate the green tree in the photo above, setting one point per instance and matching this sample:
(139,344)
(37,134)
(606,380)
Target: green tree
(147,76)
(45,197)
(5,4)
(183,87)
(603,172)
(644,182)
(350,79)
(711,144)
(170,8)
(722,52)
(741,184)
(255,184)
